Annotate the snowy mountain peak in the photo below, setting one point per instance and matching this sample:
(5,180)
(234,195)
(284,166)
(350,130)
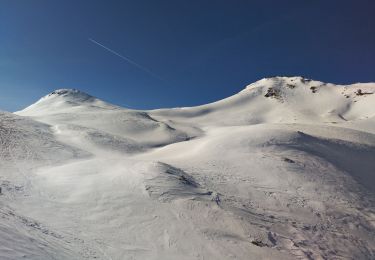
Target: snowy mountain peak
(70,94)
(65,91)
(286,100)
(275,99)
(292,78)
(63,101)
(289,82)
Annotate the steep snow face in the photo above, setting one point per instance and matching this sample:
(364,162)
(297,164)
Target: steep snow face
(283,169)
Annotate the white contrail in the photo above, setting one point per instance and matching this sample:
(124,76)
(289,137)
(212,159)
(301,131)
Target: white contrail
(126,59)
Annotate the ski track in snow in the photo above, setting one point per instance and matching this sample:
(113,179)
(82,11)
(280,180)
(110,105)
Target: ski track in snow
(282,170)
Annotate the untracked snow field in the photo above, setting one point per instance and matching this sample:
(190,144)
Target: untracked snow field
(284,169)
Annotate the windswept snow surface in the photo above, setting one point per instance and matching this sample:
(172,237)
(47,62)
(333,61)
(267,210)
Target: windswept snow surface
(285,169)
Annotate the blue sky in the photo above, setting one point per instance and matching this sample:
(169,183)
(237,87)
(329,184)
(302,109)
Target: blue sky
(188,52)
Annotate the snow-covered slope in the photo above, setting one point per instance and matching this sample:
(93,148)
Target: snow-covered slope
(100,122)
(284,169)
(285,100)
(26,145)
